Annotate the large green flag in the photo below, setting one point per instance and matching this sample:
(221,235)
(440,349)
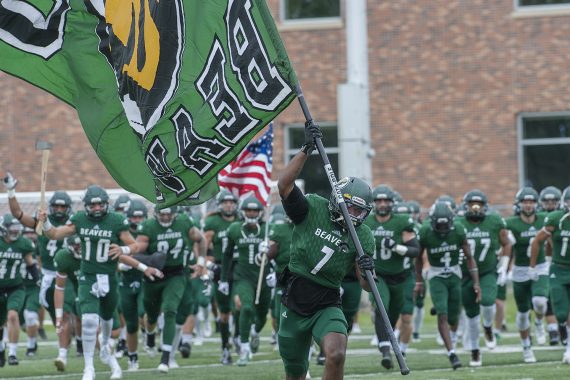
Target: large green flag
(168,92)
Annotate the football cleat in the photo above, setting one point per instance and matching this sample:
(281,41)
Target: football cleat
(476,360)
(490,340)
(554,338)
(32,351)
(185,350)
(454,360)
(528,355)
(566,358)
(13,360)
(386,358)
(88,373)
(226,357)
(60,364)
(162,368)
(321,358)
(244,358)
(254,342)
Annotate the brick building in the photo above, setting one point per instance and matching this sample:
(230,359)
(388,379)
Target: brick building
(463,94)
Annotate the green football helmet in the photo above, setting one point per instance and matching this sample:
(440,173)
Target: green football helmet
(278,215)
(550,198)
(441,218)
(476,211)
(358,197)
(449,200)
(136,212)
(165,216)
(60,206)
(226,202)
(402,208)
(525,194)
(10,227)
(397,197)
(73,243)
(383,192)
(121,203)
(251,203)
(96,195)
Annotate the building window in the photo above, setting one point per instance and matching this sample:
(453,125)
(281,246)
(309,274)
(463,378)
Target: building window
(313,173)
(309,9)
(544,150)
(542,3)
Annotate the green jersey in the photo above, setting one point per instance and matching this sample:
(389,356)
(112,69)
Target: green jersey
(484,242)
(560,236)
(387,261)
(26,276)
(524,234)
(174,240)
(96,237)
(12,255)
(219,226)
(443,253)
(321,250)
(281,234)
(245,240)
(48,247)
(65,262)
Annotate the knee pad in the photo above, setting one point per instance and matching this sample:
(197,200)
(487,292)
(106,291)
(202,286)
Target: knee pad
(31,318)
(89,324)
(522,320)
(539,304)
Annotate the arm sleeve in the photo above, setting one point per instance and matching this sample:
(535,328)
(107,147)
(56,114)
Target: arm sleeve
(295,205)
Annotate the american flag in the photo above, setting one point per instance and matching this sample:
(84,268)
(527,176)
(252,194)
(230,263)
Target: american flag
(250,172)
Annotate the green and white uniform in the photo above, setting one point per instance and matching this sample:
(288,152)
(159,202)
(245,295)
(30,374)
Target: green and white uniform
(246,239)
(444,275)
(524,289)
(12,257)
(165,295)
(484,243)
(322,253)
(98,288)
(392,269)
(560,267)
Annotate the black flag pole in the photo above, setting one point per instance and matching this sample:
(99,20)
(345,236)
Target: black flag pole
(404,370)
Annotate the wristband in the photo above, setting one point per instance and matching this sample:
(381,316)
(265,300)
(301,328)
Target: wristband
(59,312)
(59,288)
(126,249)
(142,267)
(11,193)
(474,270)
(401,249)
(419,283)
(201,261)
(47,226)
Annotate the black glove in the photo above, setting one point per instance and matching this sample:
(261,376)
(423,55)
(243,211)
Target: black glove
(312,131)
(365,262)
(389,243)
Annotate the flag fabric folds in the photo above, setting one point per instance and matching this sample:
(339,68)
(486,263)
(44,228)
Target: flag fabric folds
(250,172)
(168,92)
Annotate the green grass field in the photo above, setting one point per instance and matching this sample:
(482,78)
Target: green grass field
(426,360)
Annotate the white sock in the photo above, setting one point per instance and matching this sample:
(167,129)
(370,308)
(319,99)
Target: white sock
(473,328)
(123,333)
(176,340)
(418,318)
(32,341)
(106,328)
(552,327)
(63,353)
(245,346)
(89,324)
(526,342)
(453,336)
(187,338)
(488,313)
(403,346)
(12,349)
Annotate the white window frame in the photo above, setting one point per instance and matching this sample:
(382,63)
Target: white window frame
(309,23)
(540,10)
(291,151)
(522,143)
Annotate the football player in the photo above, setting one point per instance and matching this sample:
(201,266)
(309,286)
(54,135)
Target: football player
(487,235)
(442,239)
(396,246)
(101,232)
(322,253)
(557,229)
(215,233)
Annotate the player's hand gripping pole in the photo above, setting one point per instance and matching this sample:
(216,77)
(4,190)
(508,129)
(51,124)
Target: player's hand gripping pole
(263,254)
(404,370)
